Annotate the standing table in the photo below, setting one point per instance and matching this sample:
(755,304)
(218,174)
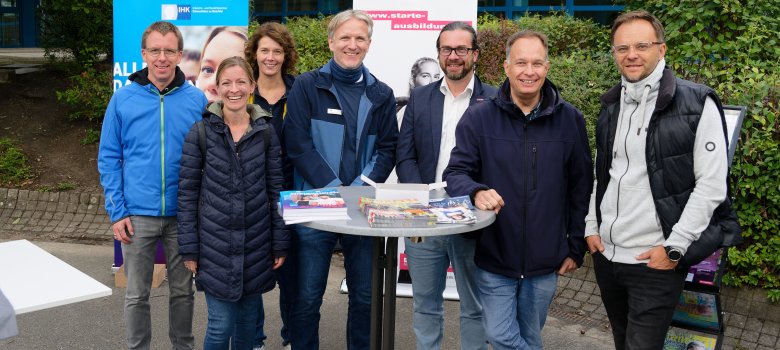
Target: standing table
(385,260)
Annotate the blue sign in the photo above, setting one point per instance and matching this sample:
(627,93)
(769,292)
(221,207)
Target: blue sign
(195,19)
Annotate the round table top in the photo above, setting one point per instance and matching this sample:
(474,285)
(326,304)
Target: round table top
(359,224)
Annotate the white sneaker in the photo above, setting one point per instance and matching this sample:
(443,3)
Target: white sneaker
(287,347)
(260,348)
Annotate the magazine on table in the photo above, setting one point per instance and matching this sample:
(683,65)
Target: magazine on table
(455,210)
(396,213)
(313,205)
(411,213)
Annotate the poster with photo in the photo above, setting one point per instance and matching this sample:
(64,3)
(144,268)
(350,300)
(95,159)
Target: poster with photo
(197,19)
(403,41)
(211,31)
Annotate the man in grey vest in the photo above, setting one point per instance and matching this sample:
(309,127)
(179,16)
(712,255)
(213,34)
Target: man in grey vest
(661,169)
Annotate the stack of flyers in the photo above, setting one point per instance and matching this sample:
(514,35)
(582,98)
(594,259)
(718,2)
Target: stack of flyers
(396,213)
(313,205)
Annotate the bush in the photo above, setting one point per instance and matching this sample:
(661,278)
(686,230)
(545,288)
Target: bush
(88,94)
(311,41)
(81,29)
(13,163)
(732,46)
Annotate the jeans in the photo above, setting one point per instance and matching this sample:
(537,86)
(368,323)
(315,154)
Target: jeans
(428,262)
(138,259)
(639,301)
(231,323)
(285,276)
(314,252)
(515,309)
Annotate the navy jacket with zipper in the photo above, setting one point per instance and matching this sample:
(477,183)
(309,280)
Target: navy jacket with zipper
(314,130)
(228,217)
(541,165)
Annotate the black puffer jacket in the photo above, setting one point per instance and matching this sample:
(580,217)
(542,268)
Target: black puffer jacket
(228,218)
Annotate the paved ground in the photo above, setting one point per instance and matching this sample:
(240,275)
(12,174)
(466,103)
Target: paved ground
(97,324)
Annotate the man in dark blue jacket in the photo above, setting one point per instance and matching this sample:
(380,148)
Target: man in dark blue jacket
(340,124)
(525,155)
(426,139)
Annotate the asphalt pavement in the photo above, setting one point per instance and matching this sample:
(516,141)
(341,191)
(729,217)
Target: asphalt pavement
(97,323)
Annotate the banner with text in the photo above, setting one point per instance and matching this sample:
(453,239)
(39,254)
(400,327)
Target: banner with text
(195,18)
(200,21)
(403,42)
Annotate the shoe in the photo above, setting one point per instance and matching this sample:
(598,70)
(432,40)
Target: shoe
(260,348)
(287,347)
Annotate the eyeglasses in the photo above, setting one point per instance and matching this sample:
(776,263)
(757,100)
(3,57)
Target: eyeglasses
(170,53)
(460,51)
(641,46)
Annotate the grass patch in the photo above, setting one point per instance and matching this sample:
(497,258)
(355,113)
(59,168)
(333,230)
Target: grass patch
(90,136)
(13,163)
(62,186)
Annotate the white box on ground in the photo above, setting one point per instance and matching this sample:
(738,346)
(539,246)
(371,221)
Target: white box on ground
(420,192)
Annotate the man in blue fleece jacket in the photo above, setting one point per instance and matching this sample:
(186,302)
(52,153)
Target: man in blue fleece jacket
(138,160)
(525,155)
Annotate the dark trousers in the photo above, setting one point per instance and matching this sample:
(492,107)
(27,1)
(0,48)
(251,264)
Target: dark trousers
(640,301)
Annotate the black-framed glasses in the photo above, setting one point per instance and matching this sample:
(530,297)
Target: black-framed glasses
(460,51)
(170,53)
(641,46)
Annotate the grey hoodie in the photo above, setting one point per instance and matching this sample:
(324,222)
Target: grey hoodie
(630,225)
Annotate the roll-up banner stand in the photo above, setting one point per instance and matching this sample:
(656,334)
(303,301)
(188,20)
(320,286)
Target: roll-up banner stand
(405,31)
(195,18)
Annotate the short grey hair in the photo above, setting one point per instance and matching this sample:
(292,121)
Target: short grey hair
(346,15)
(528,34)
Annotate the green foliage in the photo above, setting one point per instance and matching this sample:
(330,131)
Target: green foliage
(567,34)
(90,136)
(582,77)
(13,163)
(88,94)
(491,38)
(81,29)
(62,186)
(311,41)
(732,46)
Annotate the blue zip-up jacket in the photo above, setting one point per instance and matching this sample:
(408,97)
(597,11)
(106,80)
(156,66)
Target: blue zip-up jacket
(140,145)
(314,128)
(541,166)
(228,218)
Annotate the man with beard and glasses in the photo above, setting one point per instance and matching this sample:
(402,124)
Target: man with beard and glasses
(427,136)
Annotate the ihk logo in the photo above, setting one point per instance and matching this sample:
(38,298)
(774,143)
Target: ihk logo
(176,12)
(185,11)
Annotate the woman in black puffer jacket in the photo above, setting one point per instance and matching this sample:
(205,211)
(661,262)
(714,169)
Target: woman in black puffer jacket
(231,235)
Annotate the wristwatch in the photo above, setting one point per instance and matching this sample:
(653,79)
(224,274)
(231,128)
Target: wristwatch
(673,254)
